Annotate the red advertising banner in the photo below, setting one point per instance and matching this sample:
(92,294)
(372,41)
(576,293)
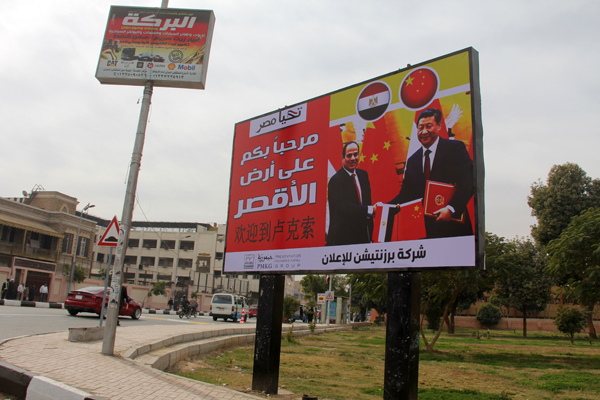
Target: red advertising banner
(386,175)
(169,46)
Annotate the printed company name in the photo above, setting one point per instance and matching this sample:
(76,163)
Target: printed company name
(187,67)
(111,63)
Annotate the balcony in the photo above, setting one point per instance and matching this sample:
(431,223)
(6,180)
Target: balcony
(29,252)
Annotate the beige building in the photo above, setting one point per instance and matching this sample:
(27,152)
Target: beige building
(37,241)
(37,245)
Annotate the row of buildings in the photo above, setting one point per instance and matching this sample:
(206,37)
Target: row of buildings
(42,234)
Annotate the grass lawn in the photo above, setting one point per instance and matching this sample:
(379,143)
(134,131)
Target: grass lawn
(349,365)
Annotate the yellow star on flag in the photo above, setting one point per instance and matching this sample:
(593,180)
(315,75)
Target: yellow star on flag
(409,80)
(361,158)
(386,145)
(374,158)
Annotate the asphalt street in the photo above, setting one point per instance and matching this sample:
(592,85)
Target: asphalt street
(23,321)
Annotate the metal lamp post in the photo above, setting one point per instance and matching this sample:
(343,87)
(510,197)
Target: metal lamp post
(77,244)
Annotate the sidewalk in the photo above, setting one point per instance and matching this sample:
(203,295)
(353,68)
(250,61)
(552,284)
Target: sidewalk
(81,366)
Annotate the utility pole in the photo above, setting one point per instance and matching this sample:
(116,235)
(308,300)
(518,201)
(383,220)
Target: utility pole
(112,315)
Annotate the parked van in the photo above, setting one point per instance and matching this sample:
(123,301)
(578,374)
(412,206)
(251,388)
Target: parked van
(227,305)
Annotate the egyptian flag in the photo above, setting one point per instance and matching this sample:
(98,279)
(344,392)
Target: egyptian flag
(373,101)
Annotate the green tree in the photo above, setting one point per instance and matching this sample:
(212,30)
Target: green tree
(79,274)
(569,320)
(445,287)
(567,192)
(575,262)
(522,281)
(158,289)
(370,290)
(290,306)
(489,315)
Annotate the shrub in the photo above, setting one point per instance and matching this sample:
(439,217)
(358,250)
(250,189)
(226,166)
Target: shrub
(570,320)
(290,305)
(489,315)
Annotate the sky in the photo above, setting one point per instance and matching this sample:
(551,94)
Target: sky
(63,130)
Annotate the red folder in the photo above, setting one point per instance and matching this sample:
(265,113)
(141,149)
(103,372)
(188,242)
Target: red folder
(437,196)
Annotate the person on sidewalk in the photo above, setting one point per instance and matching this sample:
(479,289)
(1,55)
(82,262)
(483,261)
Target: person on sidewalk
(43,293)
(5,288)
(31,292)
(123,302)
(20,291)
(170,304)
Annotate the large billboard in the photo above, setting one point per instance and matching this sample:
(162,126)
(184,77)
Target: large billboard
(383,175)
(169,46)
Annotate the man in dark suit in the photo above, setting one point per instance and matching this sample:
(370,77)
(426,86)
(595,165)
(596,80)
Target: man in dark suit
(439,160)
(350,209)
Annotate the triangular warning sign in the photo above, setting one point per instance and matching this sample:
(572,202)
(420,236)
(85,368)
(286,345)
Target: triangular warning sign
(111,235)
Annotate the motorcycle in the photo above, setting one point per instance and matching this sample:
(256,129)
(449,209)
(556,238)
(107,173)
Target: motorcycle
(186,313)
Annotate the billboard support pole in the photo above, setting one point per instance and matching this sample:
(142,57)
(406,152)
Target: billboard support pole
(112,315)
(401,376)
(267,342)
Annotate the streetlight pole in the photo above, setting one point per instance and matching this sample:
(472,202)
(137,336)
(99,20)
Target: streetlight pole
(76,245)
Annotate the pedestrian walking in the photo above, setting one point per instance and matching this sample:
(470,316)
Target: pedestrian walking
(31,292)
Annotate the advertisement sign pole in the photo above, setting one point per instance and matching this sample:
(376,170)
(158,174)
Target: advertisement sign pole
(401,376)
(267,342)
(112,316)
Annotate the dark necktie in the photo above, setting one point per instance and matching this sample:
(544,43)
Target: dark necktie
(427,169)
(357,189)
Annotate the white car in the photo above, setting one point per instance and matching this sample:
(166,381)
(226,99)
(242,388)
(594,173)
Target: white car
(227,305)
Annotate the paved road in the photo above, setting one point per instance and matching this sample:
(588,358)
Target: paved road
(21,321)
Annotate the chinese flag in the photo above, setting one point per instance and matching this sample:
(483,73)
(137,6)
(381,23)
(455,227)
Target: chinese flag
(377,159)
(409,224)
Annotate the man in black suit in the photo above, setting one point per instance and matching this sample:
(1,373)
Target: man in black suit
(350,209)
(439,160)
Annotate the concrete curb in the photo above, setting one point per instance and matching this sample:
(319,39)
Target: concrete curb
(190,345)
(24,384)
(26,303)
(162,311)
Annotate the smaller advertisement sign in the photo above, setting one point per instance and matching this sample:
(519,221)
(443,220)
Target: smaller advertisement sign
(169,46)
(321,298)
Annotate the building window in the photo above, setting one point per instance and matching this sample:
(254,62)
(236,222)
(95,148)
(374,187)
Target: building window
(167,244)
(163,262)
(219,255)
(185,263)
(149,244)
(186,245)
(133,243)
(148,261)
(67,243)
(100,257)
(255,276)
(82,248)
(130,260)
(217,273)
